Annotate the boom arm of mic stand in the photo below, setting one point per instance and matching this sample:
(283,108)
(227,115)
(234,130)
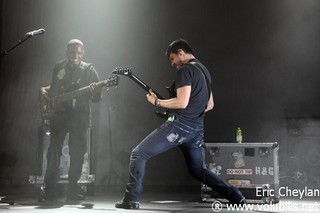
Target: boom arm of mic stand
(23,39)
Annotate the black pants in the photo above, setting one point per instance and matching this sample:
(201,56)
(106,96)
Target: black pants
(77,128)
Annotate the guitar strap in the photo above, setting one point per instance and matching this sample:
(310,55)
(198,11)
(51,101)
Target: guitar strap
(207,82)
(204,76)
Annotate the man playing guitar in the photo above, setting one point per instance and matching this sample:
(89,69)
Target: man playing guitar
(69,116)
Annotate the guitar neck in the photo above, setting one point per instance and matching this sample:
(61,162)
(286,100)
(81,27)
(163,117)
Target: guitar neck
(143,85)
(126,71)
(55,101)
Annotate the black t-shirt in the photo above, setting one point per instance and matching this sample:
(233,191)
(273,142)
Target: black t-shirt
(190,75)
(68,78)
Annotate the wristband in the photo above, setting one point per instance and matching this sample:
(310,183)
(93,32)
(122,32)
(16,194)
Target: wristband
(157,102)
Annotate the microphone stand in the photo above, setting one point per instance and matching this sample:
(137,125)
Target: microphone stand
(112,173)
(23,39)
(6,52)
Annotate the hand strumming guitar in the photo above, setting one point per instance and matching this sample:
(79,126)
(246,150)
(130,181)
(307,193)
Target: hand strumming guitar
(44,93)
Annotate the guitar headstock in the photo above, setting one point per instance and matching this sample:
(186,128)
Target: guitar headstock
(122,71)
(113,80)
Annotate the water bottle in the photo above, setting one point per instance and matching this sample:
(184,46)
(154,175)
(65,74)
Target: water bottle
(239,135)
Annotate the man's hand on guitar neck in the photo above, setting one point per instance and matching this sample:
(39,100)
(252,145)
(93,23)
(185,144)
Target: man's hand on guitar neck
(94,88)
(95,91)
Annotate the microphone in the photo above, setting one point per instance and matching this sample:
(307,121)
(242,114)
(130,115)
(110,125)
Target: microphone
(36,32)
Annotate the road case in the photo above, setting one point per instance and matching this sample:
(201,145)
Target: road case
(252,167)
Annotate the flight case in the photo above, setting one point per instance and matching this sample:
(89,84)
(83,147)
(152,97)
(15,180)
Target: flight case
(252,167)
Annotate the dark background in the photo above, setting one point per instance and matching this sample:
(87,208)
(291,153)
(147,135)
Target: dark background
(264,57)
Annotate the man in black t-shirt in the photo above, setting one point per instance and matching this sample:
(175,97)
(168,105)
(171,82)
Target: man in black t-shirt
(184,128)
(71,116)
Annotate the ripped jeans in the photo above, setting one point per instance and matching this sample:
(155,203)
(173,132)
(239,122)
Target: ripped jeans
(189,138)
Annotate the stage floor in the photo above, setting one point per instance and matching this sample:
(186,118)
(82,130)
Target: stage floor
(152,201)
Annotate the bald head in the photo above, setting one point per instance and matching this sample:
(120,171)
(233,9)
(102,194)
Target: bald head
(75,51)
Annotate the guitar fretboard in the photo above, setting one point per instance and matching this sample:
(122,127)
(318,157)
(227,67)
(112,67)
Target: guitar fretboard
(55,101)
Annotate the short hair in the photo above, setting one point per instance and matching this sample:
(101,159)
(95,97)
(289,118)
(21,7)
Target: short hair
(75,42)
(178,44)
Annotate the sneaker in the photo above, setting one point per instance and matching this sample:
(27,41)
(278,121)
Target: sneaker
(127,205)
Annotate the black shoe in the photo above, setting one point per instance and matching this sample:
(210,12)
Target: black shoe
(48,198)
(75,196)
(243,202)
(127,205)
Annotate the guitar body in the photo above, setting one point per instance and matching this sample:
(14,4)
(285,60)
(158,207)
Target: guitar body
(47,107)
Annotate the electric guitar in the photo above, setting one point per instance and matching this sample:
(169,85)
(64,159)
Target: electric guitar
(126,71)
(54,103)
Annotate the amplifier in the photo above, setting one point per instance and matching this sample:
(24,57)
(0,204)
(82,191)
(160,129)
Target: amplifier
(251,167)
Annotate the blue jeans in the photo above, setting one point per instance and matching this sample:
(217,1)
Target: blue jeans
(189,138)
